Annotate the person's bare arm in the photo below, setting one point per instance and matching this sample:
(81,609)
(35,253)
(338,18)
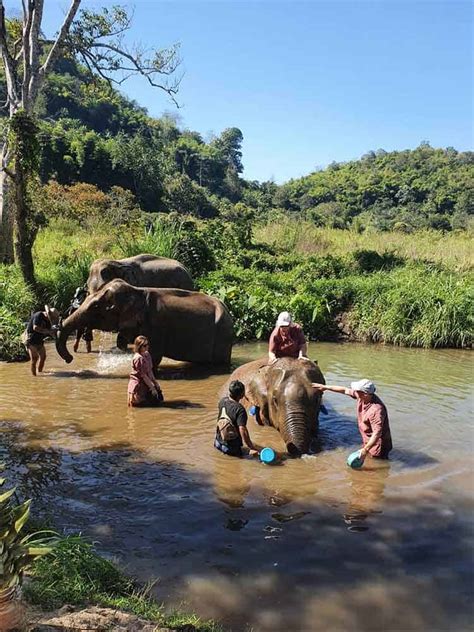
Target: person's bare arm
(342,390)
(44,330)
(303,352)
(244,433)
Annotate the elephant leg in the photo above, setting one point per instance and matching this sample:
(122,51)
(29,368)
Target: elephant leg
(122,342)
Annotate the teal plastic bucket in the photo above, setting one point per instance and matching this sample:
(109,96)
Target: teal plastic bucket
(354,461)
(268,455)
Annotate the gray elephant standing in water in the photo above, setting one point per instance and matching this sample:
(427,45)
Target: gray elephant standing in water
(179,324)
(141,271)
(285,399)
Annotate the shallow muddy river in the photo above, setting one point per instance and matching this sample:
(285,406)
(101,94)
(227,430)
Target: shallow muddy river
(307,545)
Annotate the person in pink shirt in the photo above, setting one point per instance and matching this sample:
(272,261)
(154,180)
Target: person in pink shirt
(143,389)
(372,417)
(287,340)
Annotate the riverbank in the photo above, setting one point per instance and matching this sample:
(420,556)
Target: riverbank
(409,290)
(76,588)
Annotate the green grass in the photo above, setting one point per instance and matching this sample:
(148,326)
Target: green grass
(454,249)
(414,305)
(75,574)
(413,290)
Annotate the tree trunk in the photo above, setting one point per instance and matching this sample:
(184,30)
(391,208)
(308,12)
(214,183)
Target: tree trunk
(6,222)
(23,232)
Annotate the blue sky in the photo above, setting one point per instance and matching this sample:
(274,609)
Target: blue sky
(312,82)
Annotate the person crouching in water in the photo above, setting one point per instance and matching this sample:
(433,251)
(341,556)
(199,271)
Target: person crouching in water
(143,389)
(41,325)
(231,431)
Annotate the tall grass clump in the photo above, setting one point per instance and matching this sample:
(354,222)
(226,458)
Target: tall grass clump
(174,237)
(415,306)
(16,304)
(75,574)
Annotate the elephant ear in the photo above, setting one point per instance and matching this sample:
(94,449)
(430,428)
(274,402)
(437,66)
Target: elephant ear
(279,377)
(257,395)
(131,306)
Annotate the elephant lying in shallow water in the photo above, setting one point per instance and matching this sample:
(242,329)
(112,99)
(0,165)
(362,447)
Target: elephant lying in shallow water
(141,271)
(283,393)
(179,324)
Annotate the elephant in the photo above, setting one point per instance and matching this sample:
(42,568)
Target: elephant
(179,324)
(140,271)
(284,398)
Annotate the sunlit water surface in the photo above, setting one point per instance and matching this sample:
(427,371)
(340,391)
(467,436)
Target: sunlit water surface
(307,545)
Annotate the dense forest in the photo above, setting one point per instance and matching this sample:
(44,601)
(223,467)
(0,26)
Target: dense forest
(91,133)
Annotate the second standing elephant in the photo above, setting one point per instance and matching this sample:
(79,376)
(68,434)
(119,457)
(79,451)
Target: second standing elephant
(141,271)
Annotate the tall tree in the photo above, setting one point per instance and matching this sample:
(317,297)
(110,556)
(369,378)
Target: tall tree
(96,39)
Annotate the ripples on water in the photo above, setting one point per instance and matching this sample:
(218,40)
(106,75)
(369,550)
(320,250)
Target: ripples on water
(308,545)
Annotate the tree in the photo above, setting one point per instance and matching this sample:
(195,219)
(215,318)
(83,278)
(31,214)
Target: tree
(96,39)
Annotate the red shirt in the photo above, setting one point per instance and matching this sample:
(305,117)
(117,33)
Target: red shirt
(286,342)
(372,418)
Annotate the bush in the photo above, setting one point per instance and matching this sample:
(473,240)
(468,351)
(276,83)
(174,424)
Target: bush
(16,304)
(371,261)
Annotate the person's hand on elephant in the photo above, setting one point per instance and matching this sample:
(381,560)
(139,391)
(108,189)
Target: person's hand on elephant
(303,357)
(318,387)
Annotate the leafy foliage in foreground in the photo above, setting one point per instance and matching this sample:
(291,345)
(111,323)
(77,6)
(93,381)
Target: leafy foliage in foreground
(75,574)
(17,551)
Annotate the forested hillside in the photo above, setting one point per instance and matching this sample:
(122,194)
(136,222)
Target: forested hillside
(401,190)
(93,134)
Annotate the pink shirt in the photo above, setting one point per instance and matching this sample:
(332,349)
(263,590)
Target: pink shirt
(372,418)
(286,341)
(141,365)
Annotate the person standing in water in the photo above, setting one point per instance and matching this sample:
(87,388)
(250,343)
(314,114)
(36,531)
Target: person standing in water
(287,340)
(143,388)
(372,417)
(41,325)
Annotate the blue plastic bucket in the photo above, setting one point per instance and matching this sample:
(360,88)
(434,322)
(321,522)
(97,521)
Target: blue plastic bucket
(354,460)
(267,455)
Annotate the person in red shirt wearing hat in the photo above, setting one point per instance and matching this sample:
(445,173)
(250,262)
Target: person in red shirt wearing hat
(287,340)
(372,417)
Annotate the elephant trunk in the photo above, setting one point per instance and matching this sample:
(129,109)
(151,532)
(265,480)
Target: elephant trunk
(72,323)
(296,432)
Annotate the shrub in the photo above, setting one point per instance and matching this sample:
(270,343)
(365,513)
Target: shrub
(16,304)
(371,261)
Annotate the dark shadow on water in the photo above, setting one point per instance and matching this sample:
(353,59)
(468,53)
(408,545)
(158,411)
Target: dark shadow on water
(88,374)
(285,568)
(180,403)
(190,372)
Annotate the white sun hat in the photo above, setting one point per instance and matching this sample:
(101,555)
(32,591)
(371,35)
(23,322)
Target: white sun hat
(284,319)
(364,386)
